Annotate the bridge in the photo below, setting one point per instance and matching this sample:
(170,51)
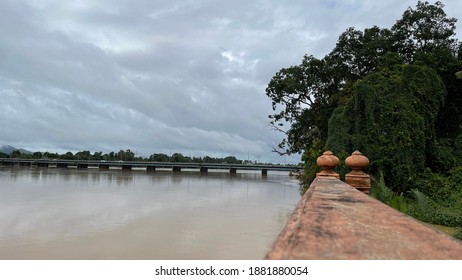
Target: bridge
(339,220)
(149,166)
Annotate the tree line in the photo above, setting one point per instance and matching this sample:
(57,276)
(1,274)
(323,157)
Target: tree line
(125,155)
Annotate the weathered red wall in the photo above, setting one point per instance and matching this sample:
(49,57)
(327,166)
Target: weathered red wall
(335,221)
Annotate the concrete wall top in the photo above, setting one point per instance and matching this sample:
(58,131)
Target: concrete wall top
(336,221)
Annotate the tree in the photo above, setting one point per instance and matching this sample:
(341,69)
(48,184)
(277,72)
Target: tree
(178,157)
(424,29)
(358,53)
(68,156)
(207,159)
(16,154)
(443,61)
(37,155)
(109,157)
(426,36)
(391,118)
(232,159)
(159,158)
(97,156)
(83,155)
(308,93)
(310,99)
(3,155)
(303,92)
(50,155)
(126,155)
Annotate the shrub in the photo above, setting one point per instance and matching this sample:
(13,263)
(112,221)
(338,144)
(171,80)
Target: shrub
(384,194)
(425,209)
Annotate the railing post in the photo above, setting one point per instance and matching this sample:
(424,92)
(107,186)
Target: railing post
(327,161)
(357,178)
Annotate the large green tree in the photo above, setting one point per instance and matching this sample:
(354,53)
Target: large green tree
(305,95)
(391,118)
(300,96)
(424,29)
(311,100)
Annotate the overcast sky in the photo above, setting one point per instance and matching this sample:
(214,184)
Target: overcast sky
(162,76)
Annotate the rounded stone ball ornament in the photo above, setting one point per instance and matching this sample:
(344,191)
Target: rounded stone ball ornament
(357,178)
(327,161)
(357,162)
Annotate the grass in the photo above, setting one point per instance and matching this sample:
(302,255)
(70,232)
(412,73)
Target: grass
(452,231)
(421,207)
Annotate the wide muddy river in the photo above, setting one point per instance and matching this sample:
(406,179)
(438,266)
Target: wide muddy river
(49,213)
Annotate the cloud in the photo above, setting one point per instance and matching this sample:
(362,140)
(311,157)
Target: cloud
(161,76)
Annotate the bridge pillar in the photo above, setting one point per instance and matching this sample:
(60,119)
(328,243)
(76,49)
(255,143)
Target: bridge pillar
(204,169)
(233,170)
(104,166)
(82,165)
(61,165)
(150,168)
(176,169)
(25,163)
(126,167)
(42,164)
(264,172)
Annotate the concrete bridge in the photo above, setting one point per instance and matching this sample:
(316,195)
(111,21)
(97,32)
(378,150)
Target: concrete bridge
(149,166)
(337,220)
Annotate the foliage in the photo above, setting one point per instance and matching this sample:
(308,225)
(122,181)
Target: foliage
(399,202)
(444,189)
(391,119)
(391,93)
(125,155)
(306,95)
(420,206)
(424,29)
(358,53)
(382,193)
(458,234)
(310,167)
(159,158)
(434,185)
(427,210)
(302,91)
(178,157)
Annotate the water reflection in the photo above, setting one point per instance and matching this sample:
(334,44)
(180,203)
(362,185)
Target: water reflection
(113,214)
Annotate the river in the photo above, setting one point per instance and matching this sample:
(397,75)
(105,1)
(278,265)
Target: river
(49,213)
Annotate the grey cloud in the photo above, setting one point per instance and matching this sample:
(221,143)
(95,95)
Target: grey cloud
(161,76)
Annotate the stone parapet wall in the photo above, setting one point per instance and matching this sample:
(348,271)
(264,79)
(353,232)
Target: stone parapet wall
(334,220)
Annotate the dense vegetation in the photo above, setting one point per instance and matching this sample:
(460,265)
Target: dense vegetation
(126,155)
(394,94)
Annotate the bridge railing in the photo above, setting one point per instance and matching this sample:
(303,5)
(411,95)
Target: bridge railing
(149,165)
(335,220)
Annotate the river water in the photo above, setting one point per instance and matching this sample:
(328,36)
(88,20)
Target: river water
(49,213)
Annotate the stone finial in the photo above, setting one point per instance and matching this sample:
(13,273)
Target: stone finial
(327,161)
(357,178)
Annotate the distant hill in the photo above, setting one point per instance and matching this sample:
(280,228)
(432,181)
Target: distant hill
(7,149)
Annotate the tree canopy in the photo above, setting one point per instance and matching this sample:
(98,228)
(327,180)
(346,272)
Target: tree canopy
(125,155)
(391,118)
(392,93)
